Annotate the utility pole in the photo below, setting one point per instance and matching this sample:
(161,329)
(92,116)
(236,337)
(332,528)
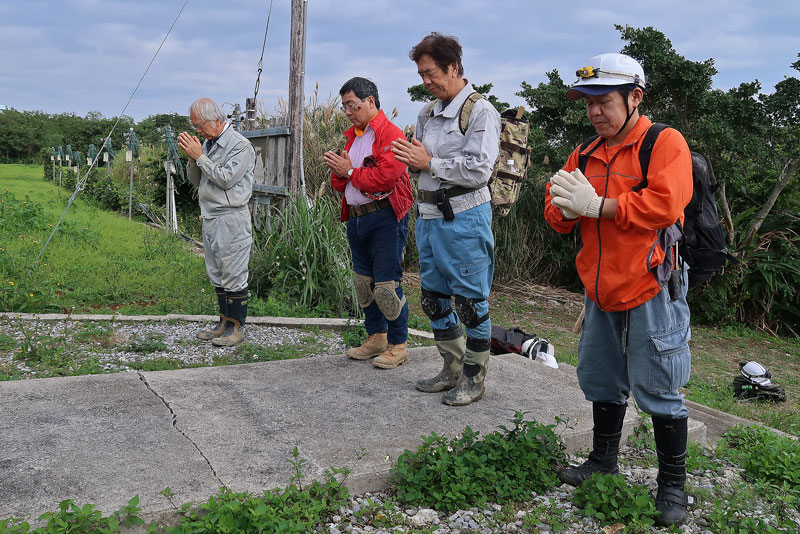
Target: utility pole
(297,62)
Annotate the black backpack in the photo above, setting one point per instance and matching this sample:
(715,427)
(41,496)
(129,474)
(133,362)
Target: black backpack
(703,244)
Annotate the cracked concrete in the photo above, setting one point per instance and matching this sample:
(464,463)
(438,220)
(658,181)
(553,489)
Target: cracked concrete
(176,427)
(102,439)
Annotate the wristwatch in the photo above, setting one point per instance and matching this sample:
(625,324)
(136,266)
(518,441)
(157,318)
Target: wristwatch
(350,172)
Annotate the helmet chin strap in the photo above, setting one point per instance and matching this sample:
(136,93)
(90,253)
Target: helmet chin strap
(624,124)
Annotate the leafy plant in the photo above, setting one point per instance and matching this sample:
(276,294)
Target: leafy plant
(303,257)
(293,509)
(612,500)
(152,342)
(505,465)
(81,519)
(765,456)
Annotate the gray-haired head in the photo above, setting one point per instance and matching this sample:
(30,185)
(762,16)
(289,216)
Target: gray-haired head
(207,109)
(362,88)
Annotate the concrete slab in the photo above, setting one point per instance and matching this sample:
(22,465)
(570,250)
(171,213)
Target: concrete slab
(103,439)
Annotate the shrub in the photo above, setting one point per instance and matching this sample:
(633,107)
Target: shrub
(504,466)
(303,257)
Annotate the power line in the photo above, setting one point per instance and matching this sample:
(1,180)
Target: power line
(261,60)
(82,182)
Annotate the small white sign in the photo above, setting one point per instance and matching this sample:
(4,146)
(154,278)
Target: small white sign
(67,158)
(88,161)
(52,158)
(105,157)
(128,155)
(59,158)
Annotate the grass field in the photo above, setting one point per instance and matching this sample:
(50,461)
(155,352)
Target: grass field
(96,261)
(100,262)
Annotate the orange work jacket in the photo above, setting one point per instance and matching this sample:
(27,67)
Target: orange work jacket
(617,254)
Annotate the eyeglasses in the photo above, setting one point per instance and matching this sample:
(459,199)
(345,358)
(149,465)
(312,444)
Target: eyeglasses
(348,106)
(198,126)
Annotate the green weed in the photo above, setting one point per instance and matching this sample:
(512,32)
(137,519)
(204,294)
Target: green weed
(151,342)
(611,499)
(81,519)
(505,465)
(293,509)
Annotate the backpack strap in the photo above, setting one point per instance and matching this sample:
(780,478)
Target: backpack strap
(466,111)
(463,114)
(583,159)
(428,112)
(647,149)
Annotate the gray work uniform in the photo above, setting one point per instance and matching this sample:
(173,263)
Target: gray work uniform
(224,179)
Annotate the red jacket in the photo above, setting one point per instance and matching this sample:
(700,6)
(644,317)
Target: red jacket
(388,174)
(616,254)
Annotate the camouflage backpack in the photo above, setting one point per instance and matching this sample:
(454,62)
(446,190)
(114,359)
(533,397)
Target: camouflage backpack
(512,161)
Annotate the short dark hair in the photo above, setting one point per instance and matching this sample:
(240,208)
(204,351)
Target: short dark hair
(362,88)
(444,49)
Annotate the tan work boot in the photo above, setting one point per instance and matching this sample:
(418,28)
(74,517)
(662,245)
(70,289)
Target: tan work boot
(208,334)
(233,335)
(373,346)
(393,356)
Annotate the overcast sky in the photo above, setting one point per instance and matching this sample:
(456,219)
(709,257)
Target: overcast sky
(87,55)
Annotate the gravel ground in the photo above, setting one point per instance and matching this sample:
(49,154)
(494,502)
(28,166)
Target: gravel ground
(50,348)
(553,512)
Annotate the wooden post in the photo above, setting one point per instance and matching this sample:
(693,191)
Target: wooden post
(297,61)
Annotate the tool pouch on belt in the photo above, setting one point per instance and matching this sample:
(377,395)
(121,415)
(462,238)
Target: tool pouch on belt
(443,203)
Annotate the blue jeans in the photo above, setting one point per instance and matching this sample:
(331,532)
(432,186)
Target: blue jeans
(650,358)
(457,258)
(377,241)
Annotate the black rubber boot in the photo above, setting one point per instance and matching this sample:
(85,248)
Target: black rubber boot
(211,333)
(237,313)
(671,500)
(451,345)
(608,419)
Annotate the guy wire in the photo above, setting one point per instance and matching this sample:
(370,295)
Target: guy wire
(82,182)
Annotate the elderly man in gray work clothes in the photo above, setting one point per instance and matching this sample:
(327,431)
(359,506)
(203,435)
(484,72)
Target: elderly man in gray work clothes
(222,170)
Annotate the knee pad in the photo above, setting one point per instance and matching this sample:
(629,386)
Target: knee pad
(362,284)
(431,305)
(388,302)
(465,308)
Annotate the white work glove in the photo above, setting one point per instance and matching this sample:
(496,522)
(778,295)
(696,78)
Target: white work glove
(568,214)
(574,193)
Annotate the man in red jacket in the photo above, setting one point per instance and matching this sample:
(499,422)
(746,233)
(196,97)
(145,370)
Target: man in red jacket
(635,334)
(377,198)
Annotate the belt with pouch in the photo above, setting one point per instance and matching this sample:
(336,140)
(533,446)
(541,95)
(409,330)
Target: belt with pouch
(370,207)
(429,197)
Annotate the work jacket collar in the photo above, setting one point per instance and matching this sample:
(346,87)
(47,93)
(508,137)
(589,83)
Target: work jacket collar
(454,107)
(376,122)
(634,136)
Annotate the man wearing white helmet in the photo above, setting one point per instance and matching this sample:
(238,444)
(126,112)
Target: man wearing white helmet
(635,332)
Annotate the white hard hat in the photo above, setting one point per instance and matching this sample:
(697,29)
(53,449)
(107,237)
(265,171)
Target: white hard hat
(606,73)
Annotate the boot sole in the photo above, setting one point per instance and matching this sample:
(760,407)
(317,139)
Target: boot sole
(456,402)
(436,388)
(367,357)
(207,336)
(380,365)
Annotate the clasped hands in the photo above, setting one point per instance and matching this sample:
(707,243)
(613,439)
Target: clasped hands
(574,195)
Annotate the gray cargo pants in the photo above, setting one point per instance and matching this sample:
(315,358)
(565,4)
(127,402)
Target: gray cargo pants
(227,241)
